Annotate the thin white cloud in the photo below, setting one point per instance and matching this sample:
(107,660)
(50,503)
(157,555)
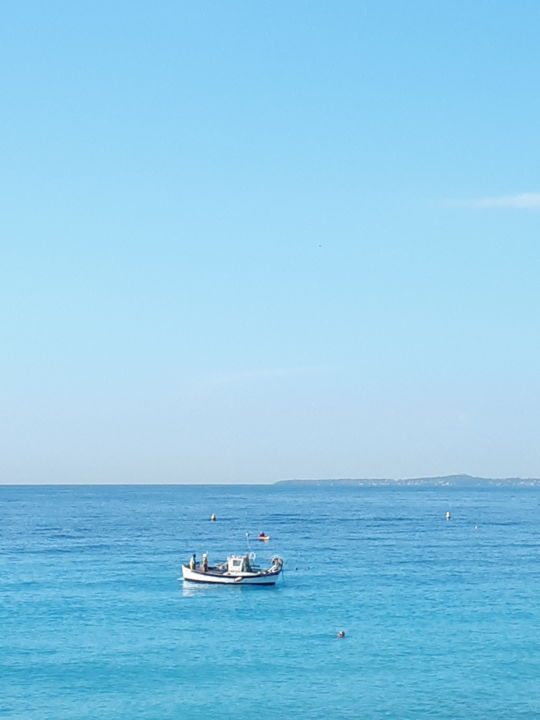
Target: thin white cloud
(525,201)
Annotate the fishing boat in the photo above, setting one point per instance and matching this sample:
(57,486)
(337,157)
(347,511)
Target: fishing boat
(236,570)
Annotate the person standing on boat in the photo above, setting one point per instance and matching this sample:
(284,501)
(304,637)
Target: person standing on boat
(192,562)
(204,562)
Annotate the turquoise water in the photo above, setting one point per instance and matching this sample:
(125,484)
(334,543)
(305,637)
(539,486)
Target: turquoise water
(442,618)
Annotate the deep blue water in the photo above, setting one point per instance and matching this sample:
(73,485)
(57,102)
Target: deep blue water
(442,618)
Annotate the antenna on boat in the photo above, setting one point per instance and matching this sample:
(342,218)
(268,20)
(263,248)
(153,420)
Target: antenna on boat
(247,542)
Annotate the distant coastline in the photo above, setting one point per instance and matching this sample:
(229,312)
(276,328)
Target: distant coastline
(438,481)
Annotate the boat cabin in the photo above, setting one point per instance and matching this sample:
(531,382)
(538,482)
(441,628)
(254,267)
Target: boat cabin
(238,564)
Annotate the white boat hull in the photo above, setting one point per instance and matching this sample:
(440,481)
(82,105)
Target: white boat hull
(213,577)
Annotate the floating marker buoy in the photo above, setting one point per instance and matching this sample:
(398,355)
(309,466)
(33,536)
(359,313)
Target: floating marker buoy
(341,634)
(448,516)
(213,518)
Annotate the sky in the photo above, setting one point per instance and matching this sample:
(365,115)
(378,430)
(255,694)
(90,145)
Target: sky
(242,242)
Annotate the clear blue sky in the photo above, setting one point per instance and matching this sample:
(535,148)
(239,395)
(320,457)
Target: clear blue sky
(250,241)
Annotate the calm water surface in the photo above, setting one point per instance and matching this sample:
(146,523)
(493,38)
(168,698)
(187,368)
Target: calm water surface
(442,618)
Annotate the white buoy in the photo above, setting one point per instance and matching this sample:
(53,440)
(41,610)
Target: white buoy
(448,516)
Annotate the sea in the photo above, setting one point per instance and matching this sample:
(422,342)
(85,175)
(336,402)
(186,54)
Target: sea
(441,617)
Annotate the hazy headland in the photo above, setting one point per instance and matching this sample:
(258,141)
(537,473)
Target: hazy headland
(437,481)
